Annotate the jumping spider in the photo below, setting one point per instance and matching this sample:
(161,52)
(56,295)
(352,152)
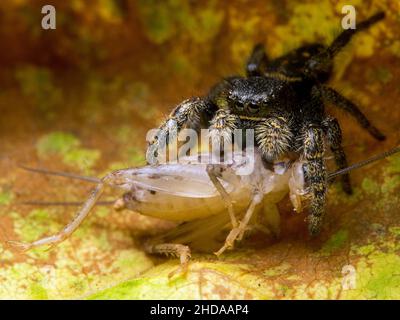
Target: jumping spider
(283,100)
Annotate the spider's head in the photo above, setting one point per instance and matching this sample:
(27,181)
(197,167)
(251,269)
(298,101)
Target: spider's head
(252,97)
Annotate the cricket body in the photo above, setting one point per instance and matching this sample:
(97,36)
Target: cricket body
(191,191)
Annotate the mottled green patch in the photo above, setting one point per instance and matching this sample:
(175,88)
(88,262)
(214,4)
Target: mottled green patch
(217,280)
(38,292)
(277,271)
(69,148)
(337,196)
(203,24)
(377,277)
(395,230)
(136,156)
(363,250)
(102,212)
(56,143)
(162,21)
(306,24)
(370,186)
(157,20)
(6,197)
(394,164)
(390,184)
(36,224)
(109,10)
(383,75)
(82,158)
(335,242)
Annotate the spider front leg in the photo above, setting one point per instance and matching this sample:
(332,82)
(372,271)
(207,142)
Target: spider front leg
(315,175)
(274,137)
(334,97)
(190,114)
(222,128)
(334,136)
(257,62)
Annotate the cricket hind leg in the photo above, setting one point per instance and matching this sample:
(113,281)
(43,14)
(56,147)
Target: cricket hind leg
(238,232)
(171,249)
(69,228)
(214,172)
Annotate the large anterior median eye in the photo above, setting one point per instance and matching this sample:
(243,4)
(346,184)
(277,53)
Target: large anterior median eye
(253,108)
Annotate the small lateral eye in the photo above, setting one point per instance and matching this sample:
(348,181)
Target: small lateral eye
(253,108)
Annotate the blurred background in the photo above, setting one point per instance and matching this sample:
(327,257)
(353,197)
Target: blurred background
(82,97)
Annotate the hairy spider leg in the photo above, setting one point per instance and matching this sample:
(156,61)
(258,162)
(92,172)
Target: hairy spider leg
(190,114)
(333,133)
(315,175)
(334,97)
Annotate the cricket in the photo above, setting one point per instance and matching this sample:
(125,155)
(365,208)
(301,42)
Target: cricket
(207,199)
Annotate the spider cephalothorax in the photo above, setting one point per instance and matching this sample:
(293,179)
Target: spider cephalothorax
(283,101)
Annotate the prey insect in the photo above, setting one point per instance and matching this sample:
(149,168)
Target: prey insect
(184,192)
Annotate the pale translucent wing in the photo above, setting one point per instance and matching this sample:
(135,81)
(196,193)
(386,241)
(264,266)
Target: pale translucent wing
(185,180)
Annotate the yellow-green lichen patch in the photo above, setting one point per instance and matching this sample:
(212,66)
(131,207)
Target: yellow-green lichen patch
(370,186)
(376,277)
(277,271)
(73,269)
(307,23)
(69,148)
(163,21)
(36,224)
(390,184)
(6,196)
(335,242)
(56,143)
(394,164)
(81,158)
(204,280)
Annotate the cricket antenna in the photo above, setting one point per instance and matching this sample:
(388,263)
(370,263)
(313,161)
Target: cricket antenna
(61,203)
(364,163)
(60,174)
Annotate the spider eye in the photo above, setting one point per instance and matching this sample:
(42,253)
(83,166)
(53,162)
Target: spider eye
(239,106)
(253,108)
